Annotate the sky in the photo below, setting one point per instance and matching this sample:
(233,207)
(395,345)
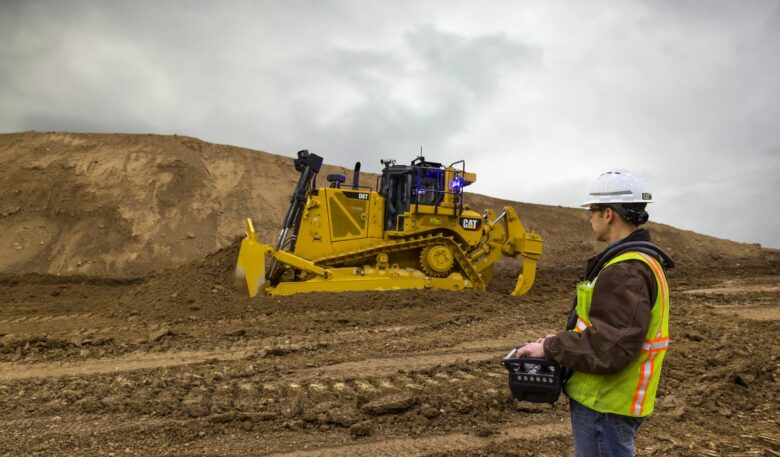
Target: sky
(538,97)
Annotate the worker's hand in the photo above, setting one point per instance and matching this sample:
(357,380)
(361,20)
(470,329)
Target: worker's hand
(535,349)
(541,340)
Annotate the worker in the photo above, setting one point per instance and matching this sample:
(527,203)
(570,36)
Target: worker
(617,334)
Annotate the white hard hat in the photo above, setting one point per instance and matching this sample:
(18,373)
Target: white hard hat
(618,186)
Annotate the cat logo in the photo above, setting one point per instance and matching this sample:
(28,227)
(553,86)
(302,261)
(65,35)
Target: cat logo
(470,223)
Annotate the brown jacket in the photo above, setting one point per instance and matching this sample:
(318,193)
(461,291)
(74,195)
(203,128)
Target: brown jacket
(619,315)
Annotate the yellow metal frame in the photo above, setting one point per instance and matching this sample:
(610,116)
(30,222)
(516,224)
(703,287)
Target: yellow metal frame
(356,279)
(343,221)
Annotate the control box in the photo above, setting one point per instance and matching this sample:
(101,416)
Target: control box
(537,380)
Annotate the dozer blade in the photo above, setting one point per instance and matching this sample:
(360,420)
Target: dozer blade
(250,269)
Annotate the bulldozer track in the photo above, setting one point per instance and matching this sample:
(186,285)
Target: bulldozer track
(407,244)
(758,313)
(46,318)
(474,351)
(447,371)
(352,380)
(68,419)
(70,329)
(13,371)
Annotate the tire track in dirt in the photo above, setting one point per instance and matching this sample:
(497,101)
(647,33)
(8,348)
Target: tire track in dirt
(58,324)
(736,287)
(479,351)
(345,390)
(16,371)
(87,424)
(474,351)
(754,289)
(754,299)
(750,312)
(46,318)
(422,446)
(346,384)
(379,366)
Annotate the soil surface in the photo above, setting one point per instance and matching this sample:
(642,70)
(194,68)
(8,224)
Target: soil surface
(145,356)
(181,364)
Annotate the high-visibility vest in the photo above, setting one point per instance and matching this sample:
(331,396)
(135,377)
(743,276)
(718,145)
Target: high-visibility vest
(630,391)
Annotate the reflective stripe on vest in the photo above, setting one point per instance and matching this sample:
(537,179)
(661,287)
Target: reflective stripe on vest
(651,346)
(631,391)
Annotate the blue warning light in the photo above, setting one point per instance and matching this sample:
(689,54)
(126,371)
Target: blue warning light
(456,183)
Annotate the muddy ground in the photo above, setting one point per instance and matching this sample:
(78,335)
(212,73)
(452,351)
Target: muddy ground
(178,363)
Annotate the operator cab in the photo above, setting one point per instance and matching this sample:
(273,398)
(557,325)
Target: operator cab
(421,183)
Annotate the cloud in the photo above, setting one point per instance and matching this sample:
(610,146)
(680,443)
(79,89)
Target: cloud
(403,98)
(538,97)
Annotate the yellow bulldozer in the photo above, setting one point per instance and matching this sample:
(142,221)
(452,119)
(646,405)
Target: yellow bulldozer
(413,232)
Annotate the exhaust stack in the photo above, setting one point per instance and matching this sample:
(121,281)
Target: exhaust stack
(356,176)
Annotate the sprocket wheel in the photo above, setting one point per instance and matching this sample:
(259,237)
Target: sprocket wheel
(437,260)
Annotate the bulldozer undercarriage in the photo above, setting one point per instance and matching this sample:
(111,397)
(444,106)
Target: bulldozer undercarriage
(437,260)
(377,272)
(432,247)
(439,255)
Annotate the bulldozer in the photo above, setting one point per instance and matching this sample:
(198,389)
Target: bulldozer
(413,232)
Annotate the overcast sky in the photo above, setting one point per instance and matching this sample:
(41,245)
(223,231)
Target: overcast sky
(539,97)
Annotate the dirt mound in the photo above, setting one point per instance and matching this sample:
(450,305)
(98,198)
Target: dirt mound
(119,205)
(123,205)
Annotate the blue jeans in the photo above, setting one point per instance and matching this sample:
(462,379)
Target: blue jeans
(602,434)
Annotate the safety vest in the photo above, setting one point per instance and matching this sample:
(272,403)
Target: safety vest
(630,391)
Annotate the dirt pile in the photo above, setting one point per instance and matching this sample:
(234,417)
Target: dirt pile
(122,205)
